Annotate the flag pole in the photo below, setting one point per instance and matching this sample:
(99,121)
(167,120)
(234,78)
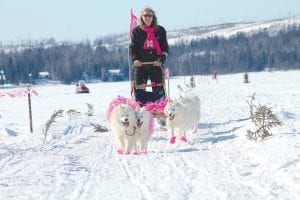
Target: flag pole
(133,24)
(29,103)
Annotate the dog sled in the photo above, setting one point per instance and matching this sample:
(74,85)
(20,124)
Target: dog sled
(151,95)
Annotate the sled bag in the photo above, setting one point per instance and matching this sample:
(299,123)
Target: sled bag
(157,95)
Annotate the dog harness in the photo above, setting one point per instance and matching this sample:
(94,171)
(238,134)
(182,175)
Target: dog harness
(132,133)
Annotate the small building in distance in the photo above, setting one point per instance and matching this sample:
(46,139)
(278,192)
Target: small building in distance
(43,78)
(115,75)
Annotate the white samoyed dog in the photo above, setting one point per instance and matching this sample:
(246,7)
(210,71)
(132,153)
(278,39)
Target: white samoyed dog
(182,114)
(143,129)
(123,128)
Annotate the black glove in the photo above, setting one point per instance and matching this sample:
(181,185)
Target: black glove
(162,58)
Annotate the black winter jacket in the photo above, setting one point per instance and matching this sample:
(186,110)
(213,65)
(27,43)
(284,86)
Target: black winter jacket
(136,50)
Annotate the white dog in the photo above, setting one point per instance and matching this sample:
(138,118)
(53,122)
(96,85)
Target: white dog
(192,102)
(143,129)
(182,114)
(123,128)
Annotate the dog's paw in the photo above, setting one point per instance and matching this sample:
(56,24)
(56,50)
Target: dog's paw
(183,139)
(172,140)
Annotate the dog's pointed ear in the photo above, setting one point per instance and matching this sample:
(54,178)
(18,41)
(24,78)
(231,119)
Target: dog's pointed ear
(125,107)
(137,109)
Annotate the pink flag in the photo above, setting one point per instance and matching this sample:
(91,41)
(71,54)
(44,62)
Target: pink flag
(133,22)
(166,73)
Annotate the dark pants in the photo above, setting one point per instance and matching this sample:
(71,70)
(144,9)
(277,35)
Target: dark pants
(141,76)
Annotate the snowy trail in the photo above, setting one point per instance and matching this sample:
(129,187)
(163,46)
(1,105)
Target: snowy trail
(218,162)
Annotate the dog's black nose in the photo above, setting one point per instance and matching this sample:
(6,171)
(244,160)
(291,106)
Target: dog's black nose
(126,120)
(138,120)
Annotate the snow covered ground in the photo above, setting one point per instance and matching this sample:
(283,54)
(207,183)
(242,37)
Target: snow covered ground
(218,162)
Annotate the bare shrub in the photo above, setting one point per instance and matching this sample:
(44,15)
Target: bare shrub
(90,109)
(52,119)
(263,118)
(72,113)
(99,128)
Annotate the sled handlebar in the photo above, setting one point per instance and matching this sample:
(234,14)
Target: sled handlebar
(147,63)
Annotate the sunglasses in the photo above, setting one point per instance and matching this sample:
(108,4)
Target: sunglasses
(146,15)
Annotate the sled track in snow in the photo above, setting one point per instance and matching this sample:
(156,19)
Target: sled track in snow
(145,193)
(67,181)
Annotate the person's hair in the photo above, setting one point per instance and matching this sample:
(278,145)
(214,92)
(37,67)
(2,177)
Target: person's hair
(154,22)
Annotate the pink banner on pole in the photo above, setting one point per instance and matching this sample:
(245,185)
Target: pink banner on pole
(18,93)
(133,22)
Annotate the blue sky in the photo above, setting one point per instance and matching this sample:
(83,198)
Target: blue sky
(81,19)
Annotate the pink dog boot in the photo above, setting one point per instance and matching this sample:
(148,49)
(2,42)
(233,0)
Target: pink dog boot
(144,152)
(172,140)
(120,151)
(126,152)
(183,139)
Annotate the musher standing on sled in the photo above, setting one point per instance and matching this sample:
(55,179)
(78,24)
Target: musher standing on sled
(148,50)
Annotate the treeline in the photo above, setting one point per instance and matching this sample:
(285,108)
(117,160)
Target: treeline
(239,53)
(67,62)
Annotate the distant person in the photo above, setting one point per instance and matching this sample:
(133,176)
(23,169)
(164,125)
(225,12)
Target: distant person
(215,74)
(148,50)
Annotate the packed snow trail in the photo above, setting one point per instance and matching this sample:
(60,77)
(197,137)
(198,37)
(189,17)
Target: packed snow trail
(218,162)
